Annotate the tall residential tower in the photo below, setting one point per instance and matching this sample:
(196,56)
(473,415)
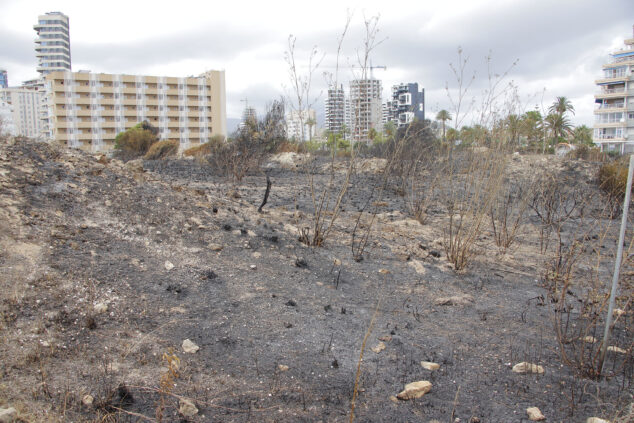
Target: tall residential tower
(52,46)
(367,110)
(614,102)
(406,105)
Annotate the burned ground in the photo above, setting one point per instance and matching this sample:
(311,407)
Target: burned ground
(106,267)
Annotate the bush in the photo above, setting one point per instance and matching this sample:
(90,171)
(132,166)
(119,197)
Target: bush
(136,141)
(613,177)
(162,149)
(207,148)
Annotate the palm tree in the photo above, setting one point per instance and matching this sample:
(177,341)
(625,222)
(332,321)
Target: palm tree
(582,135)
(443,116)
(559,126)
(561,106)
(513,126)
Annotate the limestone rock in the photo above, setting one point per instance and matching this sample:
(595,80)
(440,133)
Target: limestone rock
(525,367)
(417,266)
(190,347)
(168,265)
(596,420)
(282,367)
(135,165)
(589,339)
(215,247)
(187,408)
(429,365)
(8,415)
(618,312)
(616,349)
(87,399)
(534,414)
(379,347)
(384,271)
(414,390)
(455,300)
(385,338)
(100,308)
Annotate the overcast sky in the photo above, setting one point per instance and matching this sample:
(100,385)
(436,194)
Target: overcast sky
(559,45)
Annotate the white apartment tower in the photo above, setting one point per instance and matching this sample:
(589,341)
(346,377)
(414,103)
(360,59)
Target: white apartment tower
(52,46)
(338,117)
(367,109)
(25,110)
(294,121)
(614,102)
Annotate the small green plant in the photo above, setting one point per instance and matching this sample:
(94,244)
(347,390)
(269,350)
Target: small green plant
(205,149)
(162,150)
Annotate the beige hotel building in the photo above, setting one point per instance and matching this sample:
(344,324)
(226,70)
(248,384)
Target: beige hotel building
(87,110)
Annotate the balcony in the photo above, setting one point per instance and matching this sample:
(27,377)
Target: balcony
(612,107)
(620,124)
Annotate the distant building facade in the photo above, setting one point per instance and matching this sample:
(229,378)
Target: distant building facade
(294,121)
(52,45)
(366,108)
(4,79)
(614,102)
(24,103)
(87,110)
(6,118)
(407,104)
(338,117)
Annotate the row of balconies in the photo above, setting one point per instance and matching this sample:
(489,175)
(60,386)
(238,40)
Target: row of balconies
(85,84)
(109,110)
(60,89)
(193,137)
(114,124)
(83,101)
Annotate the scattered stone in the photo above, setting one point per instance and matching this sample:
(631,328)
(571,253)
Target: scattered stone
(257,255)
(215,247)
(253,267)
(435,253)
(168,265)
(8,415)
(616,349)
(282,367)
(100,308)
(414,390)
(394,399)
(384,271)
(291,303)
(209,275)
(618,312)
(301,263)
(596,420)
(379,347)
(590,339)
(87,399)
(187,408)
(236,232)
(456,300)
(525,367)
(417,266)
(251,233)
(135,165)
(534,414)
(474,419)
(385,338)
(45,344)
(337,262)
(327,308)
(429,365)
(189,347)
(180,310)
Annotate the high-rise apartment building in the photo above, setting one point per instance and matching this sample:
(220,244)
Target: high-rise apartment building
(87,110)
(614,111)
(366,108)
(294,121)
(407,104)
(52,46)
(4,79)
(338,117)
(25,110)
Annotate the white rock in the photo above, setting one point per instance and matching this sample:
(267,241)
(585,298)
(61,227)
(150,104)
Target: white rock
(534,414)
(616,349)
(589,339)
(414,390)
(100,308)
(525,367)
(215,247)
(384,271)
(417,266)
(190,347)
(8,415)
(87,399)
(618,312)
(456,300)
(253,267)
(429,365)
(257,255)
(282,367)
(187,408)
(596,420)
(168,265)
(379,347)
